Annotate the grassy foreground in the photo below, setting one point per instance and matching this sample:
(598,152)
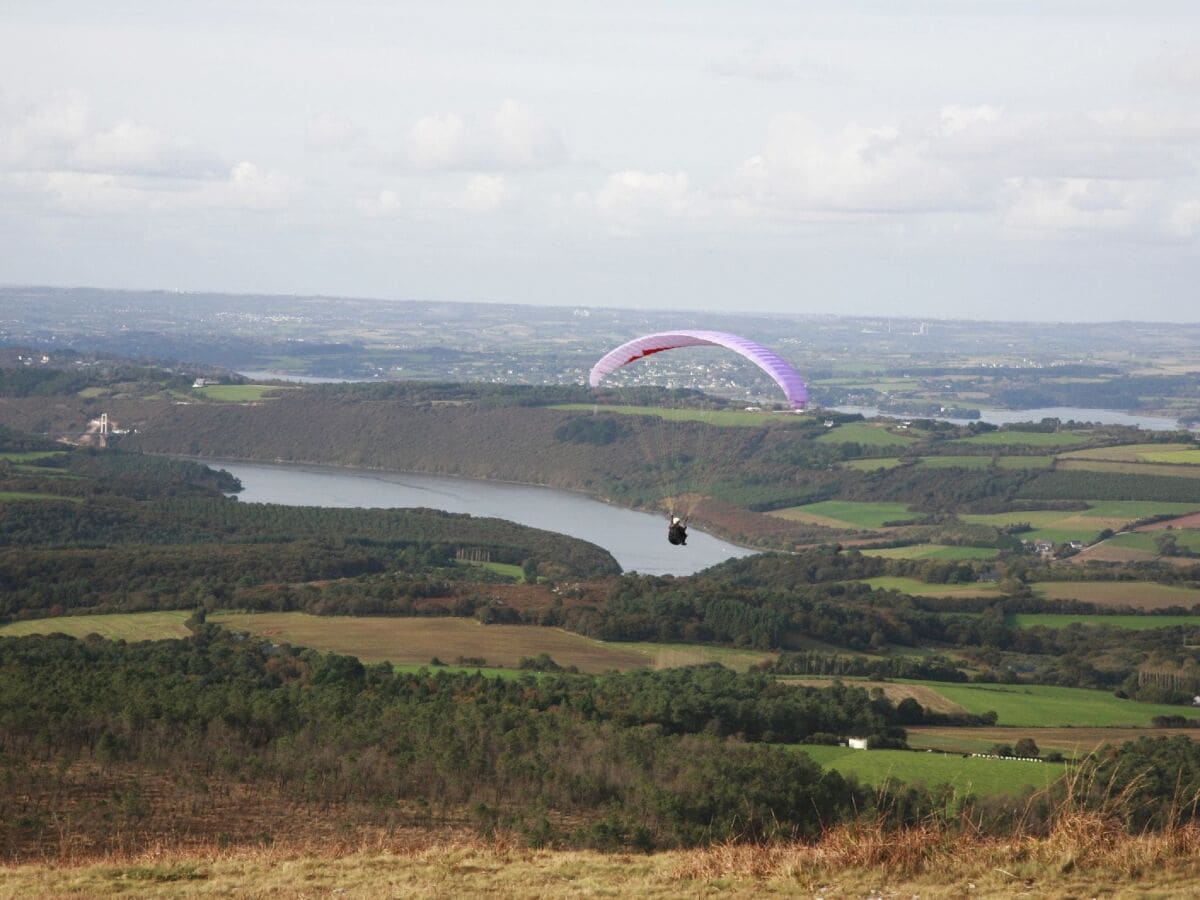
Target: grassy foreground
(1082,857)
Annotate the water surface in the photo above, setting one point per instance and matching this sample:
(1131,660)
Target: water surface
(638,540)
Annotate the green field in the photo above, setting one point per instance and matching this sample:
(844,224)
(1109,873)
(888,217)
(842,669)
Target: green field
(1133,623)
(1080,525)
(1025,439)
(968,775)
(239,393)
(1071,741)
(725,417)
(1128,468)
(933,551)
(670,656)
(24,456)
(921,589)
(509,570)
(147,626)
(34,495)
(1044,706)
(414,641)
(1166,454)
(1188,538)
(866,434)
(842,513)
(870,465)
(1136,594)
(982,462)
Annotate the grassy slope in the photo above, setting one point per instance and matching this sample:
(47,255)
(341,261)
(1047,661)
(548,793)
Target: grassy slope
(1080,525)
(410,643)
(982,462)
(969,775)
(1134,623)
(1080,859)
(852,513)
(866,434)
(920,588)
(1139,594)
(1169,454)
(1024,439)
(723,417)
(871,465)
(20,456)
(1144,540)
(1040,706)
(147,626)
(1134,468)
(1071,741)
(32,495)
(415,641)
(933,551)
(239,393)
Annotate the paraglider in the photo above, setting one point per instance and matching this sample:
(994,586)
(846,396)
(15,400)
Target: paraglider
(783,374)
(788,379)
(677,532)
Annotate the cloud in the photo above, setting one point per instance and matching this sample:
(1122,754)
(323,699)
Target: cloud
(332,131)
(511,138)
(243,188)
(484,194)
(633,200)
(59,135)
(136,149)
(383,205)
(758,62)
(1119,172)
(53,153)
(1177,71)
(858,169)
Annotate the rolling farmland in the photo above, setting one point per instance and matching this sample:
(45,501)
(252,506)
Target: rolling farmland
(1046,706)
(847,513)
(968,776)
(147,626)
(414,641)
(1136,594)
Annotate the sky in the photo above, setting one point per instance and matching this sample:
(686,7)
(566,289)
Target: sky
(966,159)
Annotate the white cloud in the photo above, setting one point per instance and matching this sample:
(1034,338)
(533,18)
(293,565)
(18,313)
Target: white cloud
(759,62)
(958,119)
(52,153)
(1071,204)
(1116,172)
(383,205)
(133,148)
(40,134)
(332,131)
(523,140)
(511,138)
(250,188)
(58,135)
(632,200)
(484,194)
(856,170)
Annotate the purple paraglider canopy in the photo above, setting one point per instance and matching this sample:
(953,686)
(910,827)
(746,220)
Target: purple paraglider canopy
(639,348)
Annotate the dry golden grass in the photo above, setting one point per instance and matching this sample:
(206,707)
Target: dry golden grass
(928,697)
(415,641)
(1085,856)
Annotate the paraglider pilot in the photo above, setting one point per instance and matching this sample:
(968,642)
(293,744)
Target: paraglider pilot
(677,532)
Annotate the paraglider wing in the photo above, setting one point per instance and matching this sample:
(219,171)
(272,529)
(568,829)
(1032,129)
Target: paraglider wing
(783,374)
